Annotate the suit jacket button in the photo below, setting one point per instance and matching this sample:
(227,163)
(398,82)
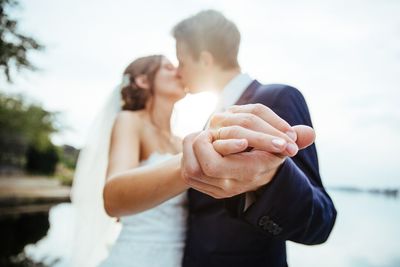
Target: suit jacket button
(269,226)
(263,221)
(276,229)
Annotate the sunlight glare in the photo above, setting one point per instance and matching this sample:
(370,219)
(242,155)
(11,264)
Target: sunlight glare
(192,112)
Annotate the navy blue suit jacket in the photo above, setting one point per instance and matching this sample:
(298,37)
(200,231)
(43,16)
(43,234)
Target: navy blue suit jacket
(293,206)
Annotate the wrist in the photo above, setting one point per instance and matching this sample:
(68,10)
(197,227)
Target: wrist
(266,178)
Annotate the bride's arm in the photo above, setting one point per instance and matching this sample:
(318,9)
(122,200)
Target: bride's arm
(130,189)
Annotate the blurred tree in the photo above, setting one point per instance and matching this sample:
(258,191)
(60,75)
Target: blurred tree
(66,166)
(42,161)
(25,131)
(68,156)
(14,46)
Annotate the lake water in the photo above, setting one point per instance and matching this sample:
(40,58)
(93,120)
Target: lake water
(366,234)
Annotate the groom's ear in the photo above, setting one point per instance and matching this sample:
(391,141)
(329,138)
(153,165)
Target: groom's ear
(142,81)
(206,59)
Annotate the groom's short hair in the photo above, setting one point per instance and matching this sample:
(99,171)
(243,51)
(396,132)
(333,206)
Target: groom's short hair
(210,31)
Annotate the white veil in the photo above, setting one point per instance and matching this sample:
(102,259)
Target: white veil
(94,230)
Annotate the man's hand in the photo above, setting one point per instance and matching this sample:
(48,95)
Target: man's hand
(218,162)
(261,119)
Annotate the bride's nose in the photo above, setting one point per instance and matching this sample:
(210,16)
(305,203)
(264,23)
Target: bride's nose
(178,73)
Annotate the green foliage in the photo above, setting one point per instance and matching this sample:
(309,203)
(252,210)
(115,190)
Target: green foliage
(25,130)
(66,165)
(68,156)
(14,46)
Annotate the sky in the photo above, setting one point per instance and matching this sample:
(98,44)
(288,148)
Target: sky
(344,56)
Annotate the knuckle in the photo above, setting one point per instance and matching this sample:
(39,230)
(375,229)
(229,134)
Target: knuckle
(233,131)
(213,121)
(198,142)
(258,108)
(196,139)
(247,121)
(283,125)
(187,140)
(216,119)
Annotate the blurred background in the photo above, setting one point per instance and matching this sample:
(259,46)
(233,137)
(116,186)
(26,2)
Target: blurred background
(59,61)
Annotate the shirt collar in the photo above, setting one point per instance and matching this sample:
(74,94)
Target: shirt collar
(233,90)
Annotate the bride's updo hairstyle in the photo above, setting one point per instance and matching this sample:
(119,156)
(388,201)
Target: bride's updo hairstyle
(134,97)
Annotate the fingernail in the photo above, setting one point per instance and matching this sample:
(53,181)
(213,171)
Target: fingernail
(278,143)
(292,135)
(292,149)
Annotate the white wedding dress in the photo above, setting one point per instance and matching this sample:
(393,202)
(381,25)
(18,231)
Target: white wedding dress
(155,237)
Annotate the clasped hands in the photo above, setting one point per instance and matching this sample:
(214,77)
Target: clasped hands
(241,150)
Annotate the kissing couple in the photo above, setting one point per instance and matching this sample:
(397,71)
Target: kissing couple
(229,195)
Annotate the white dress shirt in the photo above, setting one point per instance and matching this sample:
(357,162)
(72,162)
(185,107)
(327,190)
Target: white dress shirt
(233,90)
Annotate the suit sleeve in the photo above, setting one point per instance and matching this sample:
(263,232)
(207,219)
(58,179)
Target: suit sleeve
(294,205)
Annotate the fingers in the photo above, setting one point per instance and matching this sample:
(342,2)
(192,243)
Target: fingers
(194,177)
(239,166)
(266,114)
(200,159)
(257,140)
(210,160)
(305,135)
(190,166)
(205,170)
(249,121)
(230,146)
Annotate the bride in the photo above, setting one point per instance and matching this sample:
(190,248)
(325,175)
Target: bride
(139,182)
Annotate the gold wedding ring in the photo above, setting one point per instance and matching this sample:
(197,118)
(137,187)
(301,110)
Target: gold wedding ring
(218,134)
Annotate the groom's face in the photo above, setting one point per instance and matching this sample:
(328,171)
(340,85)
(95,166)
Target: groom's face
(191,71)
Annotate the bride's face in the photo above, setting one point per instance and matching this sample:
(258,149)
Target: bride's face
(167,83)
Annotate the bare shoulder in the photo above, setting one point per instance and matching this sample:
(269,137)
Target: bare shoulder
(128,121)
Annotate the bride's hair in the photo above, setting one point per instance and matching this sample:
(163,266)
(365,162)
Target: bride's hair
(134,97)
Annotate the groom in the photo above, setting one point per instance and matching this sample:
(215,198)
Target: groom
(244,206)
